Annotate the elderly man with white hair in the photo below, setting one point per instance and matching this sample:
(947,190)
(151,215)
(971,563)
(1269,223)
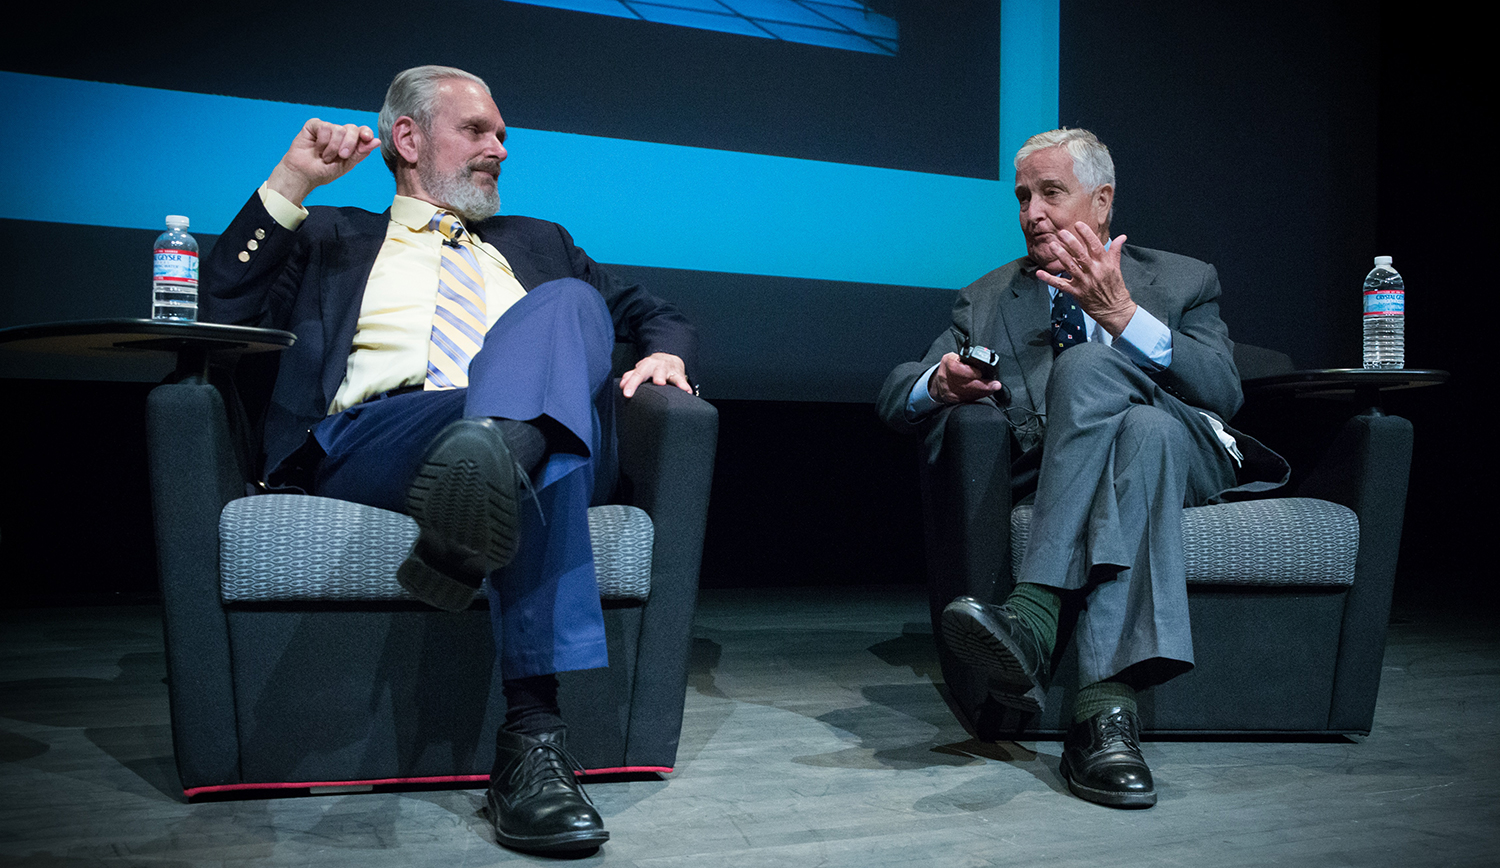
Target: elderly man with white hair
(1117,375)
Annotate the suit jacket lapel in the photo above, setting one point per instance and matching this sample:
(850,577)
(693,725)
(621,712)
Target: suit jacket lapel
(526,262)
(1025,308)
(349,255)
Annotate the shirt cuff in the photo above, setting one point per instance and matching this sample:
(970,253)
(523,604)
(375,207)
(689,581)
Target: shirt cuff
(920,402)
(281,209)
(1150,340)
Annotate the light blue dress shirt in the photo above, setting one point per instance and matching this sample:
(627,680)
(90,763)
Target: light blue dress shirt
(1146,341)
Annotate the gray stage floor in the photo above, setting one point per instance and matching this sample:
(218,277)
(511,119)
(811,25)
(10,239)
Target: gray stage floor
(814,736)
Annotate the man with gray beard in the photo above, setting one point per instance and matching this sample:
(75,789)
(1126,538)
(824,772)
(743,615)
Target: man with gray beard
(446,359)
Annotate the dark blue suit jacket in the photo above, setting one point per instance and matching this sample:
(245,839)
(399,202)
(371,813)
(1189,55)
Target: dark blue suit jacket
(311,281)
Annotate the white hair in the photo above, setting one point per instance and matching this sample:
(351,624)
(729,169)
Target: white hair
(1092,164)
(413,93)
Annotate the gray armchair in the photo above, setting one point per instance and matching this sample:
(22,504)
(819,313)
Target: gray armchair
(294,660)
(1289,596)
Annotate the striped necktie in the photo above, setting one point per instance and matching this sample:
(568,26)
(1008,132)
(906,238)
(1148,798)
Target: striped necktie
(458,322)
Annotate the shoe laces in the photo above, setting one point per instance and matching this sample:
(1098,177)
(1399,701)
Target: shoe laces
(554,764)
(1115,726)
(531,494)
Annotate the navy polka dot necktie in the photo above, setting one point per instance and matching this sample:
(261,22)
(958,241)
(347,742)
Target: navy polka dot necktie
(1067,323)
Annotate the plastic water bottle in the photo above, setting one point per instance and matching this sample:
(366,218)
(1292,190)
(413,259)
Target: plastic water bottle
(1385,316)
(174,273)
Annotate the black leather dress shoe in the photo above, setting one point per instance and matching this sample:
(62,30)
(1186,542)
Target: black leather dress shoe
(535,801)
(991,638)
(464,500)
(1102,761)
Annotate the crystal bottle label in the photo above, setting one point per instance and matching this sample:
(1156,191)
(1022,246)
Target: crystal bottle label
(1385,302)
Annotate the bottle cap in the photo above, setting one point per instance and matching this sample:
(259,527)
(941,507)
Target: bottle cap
(177,221)
(1379,260)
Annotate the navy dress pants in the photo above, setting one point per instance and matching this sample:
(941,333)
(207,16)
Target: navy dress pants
(548,355)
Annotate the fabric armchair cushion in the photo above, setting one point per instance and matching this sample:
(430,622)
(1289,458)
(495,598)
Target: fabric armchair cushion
(1283,542)
(293,548)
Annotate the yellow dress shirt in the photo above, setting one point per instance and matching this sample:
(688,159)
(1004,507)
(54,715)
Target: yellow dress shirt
(395,316)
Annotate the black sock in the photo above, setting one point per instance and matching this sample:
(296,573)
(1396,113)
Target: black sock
(527,443)
(531,705)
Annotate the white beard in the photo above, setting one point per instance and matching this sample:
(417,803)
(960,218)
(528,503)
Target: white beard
(468,200)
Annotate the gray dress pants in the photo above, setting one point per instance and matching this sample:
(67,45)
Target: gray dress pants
(1120,459)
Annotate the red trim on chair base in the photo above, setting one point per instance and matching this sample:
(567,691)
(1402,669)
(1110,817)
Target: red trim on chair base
(441,779)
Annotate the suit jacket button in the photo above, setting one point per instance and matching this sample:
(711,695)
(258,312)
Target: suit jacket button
(260,233)
(244,256)
(252,244)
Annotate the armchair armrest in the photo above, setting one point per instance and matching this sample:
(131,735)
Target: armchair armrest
(667,443)
(1366,469)
(966,502)
(194,472)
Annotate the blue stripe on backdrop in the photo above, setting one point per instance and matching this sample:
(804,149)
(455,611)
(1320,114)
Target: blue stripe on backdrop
(114,155)
(1029,34)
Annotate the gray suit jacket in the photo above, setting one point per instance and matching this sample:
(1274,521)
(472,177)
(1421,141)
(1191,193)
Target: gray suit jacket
(1009,311)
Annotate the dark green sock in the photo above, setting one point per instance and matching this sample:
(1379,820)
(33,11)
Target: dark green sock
(1039,608)
(1102,696)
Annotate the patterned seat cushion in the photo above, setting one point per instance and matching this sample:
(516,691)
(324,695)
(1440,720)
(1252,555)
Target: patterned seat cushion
(1288,541)
(282,548)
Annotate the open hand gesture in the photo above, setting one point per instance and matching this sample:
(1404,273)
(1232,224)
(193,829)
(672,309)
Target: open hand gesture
(1094,279)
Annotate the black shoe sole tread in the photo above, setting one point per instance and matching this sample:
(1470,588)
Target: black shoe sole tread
(974,644)
(464,501)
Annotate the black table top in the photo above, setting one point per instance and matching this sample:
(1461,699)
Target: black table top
(1345,381)
(107,337)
